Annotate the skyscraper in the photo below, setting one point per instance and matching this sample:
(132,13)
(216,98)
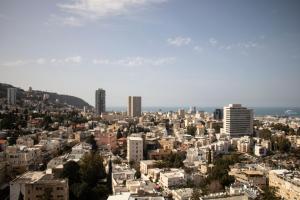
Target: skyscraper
(237,120)
(218,114)
(134,106)
(100,101)
(12,96)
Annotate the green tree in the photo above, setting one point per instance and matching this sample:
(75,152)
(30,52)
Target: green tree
(92,169)
(269,193)
(265,134)
(71,171)
(119,134)
(196,194)
(91,140)
(191,130)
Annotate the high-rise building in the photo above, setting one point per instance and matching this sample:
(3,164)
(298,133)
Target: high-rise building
(12,96)
(134,106)
(134,149)
(100,101)
(218,114)
(238,120)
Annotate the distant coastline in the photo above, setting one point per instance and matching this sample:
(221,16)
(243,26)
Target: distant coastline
(258,111)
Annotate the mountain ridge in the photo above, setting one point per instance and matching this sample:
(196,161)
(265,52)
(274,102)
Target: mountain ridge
(53,96)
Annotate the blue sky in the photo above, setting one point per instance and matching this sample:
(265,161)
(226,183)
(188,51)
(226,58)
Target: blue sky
(170,52)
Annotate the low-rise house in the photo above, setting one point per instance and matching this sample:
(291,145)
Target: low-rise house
(120,175)
(172,178)
(145,165)
(25,141)
(182,194)
(249,176)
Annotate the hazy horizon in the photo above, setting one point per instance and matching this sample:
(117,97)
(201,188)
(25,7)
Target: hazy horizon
(170,52)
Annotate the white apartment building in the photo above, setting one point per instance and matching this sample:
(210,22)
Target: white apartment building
(237,120)
(260,150)
(120,175)
(244,144)
(175,177)
(145,165)
(134,149)
(134,106)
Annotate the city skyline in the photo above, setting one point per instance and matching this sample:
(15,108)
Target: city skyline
(172,53)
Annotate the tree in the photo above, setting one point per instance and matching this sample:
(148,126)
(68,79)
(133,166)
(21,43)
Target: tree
(284,144)
(91,140)
(137,174)
(71,171)
(119,134)
(196,194)
(92,169)
(269,193)
(265,134)
(191,130)
(298,132)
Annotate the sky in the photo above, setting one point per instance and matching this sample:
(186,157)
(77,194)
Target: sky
(170,52)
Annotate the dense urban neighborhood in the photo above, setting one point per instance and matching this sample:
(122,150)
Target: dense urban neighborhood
(50,149)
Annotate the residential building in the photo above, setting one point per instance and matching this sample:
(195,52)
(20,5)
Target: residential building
(145,165)
(260,150)
(249,176)
(107,138)
(182,194)
(286,182)
(134,149)
(238,120)
(172,178)
(21,158)
(134,106)
(100,101)
(35,185)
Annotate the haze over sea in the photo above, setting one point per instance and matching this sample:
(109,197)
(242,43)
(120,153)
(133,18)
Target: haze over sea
(258,111)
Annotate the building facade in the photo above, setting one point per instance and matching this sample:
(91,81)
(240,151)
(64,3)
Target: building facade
(286,182)
(12,96)
(134,149)
(134,106)
(218,114)
(100,101)
(37,185)
(238,120)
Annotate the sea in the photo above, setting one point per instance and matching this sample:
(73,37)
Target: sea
(258,111)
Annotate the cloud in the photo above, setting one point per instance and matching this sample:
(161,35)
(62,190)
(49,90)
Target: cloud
(75,59)
(247,45)
(179,41)
(43,61)
(136,61)
(213,41)
(66,20)
(198,48)
(90,10)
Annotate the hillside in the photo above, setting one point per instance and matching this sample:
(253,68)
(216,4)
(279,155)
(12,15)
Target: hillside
(71,100)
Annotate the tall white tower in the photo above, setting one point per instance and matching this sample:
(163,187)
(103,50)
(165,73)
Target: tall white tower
(238,120)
